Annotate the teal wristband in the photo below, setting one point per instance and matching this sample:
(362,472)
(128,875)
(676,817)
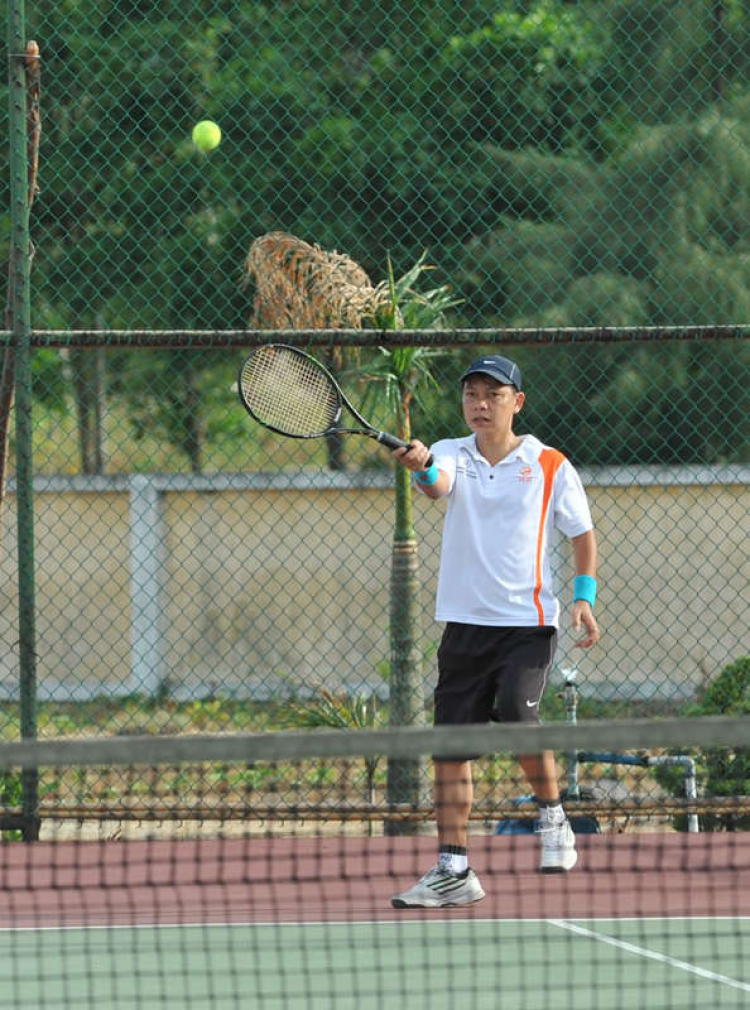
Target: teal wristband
(428,476)
(584,588)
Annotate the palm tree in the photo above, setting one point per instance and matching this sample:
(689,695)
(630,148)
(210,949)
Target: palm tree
(300,286)
(395,379)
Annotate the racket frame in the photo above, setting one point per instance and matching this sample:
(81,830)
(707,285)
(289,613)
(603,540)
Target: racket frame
(367,429)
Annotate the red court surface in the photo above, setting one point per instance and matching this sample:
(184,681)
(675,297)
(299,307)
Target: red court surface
(333,879)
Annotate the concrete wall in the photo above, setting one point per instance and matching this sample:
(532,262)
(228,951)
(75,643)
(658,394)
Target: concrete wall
(260,584)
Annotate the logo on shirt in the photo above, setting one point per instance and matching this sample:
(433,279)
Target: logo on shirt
(525,474)
(466,470)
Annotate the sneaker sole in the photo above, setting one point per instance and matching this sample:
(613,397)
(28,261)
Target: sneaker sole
(400,903)
(561,868)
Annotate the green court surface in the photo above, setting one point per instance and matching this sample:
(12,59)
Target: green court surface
(414,964)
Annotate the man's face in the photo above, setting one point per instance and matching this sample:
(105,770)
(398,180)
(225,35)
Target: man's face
(489,407)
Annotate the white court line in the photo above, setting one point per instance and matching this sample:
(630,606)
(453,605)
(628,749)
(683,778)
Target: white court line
(633,948)
(421,922)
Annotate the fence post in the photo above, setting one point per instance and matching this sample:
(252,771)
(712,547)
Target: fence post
(146,579)
(20,312)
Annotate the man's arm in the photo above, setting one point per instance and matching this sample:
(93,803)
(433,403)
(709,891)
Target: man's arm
(584,556)
(415,459)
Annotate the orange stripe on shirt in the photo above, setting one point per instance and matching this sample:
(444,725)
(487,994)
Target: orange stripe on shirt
(550,461)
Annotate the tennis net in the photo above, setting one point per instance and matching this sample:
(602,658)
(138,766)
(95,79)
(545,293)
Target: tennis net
(229,899)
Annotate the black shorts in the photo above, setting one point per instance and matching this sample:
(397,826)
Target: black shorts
(488,674)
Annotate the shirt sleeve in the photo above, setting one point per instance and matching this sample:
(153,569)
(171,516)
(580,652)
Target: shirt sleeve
(572,515)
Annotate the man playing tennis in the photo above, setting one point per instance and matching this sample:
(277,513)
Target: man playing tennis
(506,493)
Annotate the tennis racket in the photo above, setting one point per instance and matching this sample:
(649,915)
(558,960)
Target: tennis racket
(291,393)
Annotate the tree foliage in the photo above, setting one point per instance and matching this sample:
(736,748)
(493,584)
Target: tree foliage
(565,164)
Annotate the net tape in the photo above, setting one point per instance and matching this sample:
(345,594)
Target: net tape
(399,742)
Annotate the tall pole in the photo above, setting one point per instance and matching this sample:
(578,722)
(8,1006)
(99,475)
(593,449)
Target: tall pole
(406,690)
(20,311)
(406,702)
(717,50)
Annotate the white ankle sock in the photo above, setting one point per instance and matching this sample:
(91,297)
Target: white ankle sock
(453,863)
(552,815)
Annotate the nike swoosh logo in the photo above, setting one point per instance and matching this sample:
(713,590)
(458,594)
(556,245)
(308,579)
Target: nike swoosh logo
(531,704)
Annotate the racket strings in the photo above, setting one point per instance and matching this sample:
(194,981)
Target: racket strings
(289,392)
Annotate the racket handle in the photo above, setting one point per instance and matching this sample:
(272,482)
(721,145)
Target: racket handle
(398,443)
(390,440)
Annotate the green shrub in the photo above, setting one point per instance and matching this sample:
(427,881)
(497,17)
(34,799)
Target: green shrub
(721,771)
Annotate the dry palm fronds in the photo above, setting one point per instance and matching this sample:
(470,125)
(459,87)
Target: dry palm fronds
(301,286)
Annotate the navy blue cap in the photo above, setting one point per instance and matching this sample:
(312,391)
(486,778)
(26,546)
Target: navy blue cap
(502,369)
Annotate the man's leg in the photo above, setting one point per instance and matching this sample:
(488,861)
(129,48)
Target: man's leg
(527,661)
(558,841)
(451,881)
(541,771)
(454,794)
(464,694)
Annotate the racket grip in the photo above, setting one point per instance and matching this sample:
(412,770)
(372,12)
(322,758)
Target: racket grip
(390,441)
(398,443)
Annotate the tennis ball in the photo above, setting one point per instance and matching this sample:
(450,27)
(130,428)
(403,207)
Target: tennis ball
(206,135)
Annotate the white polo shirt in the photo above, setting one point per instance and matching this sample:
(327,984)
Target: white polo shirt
(494,565)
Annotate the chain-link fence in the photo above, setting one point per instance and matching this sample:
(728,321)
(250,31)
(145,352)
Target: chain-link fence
(267,574)
(567,182)
(564,164)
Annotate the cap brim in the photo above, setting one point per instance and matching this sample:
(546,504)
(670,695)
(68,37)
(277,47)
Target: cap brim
(502,377)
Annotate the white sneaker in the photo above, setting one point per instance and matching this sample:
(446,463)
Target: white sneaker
(440,889)
(558,848)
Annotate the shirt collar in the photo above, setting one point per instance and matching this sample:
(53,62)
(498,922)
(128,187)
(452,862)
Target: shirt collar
(527,452)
